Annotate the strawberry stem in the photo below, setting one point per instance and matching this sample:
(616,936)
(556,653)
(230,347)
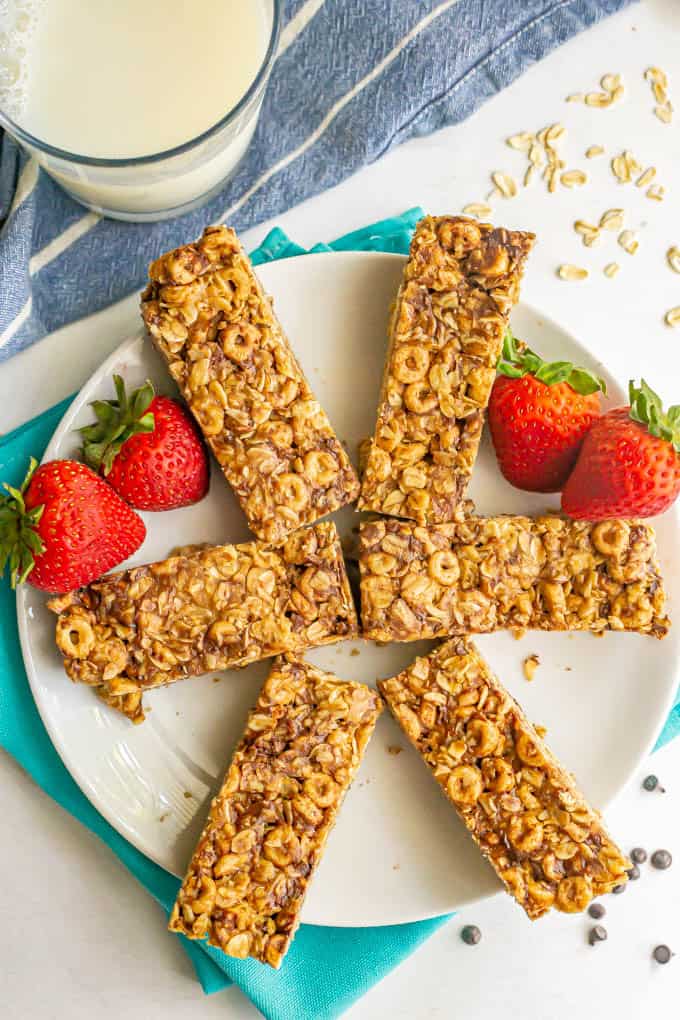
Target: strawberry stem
(517,360)
(646,409)
(20,542)
(117,421)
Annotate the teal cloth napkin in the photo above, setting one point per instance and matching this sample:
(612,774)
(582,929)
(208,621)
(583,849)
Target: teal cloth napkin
(327,969)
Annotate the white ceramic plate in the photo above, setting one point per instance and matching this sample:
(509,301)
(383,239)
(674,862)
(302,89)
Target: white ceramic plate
(398,852)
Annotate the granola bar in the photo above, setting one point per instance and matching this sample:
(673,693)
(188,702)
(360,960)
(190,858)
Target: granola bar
(492,573)
(445,337)
(267,827)
(214,326)
(215,608)
(523,809)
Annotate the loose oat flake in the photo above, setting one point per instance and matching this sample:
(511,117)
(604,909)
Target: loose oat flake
(646,178)
(506,184)
(521,141)
(612,219)
(477,209)
(628,241)
(569,272)
(593,151)
(672,317)
(574,178)
(590,234)
(673,256)
(656,192)
(611,269)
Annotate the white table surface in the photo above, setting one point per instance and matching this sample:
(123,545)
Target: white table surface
(80,937)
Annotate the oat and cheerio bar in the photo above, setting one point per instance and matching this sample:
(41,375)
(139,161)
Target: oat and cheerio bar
(483,574)
(214,326)
(214,608)
(267,826)
(524,811)
(445,337)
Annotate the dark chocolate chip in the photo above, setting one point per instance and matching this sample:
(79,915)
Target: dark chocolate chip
(638,855)
(597,934)
(662,954)
(470,934)
(633,873)
(661,859)
(650,782)
(619,889)
(596,910)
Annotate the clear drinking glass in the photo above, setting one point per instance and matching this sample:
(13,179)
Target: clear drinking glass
(164,184)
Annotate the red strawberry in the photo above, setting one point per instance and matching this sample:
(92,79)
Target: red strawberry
(539,413)
(629,464)
(65,527)
(148,449)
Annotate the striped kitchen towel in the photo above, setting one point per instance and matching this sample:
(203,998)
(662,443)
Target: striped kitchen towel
(352,79)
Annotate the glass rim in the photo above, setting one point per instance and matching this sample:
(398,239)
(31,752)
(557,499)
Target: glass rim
(27,138)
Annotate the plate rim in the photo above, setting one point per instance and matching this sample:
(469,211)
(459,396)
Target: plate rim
(23,621)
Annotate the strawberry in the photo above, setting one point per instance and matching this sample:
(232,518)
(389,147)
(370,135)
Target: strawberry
(629,464)
(539,413)
(64,527)
(148,449)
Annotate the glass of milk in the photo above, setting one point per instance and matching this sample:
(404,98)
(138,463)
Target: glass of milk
(140,109)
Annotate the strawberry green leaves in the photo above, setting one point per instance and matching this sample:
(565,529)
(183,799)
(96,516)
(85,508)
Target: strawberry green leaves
(646,409)
(518,360)
(20,543)
(117,421)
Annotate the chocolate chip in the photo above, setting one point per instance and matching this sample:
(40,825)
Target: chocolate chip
(633,873)
(597,934)
(638,855)
(661,859)
(619,889)
(596,910)
(662,954)
(470,934)
(652,783)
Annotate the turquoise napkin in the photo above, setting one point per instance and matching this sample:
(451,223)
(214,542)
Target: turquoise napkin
(327,969)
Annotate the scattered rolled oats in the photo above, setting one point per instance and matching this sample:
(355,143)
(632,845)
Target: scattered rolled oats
(620,169)
(672,317)
(530,665)
(612,219)
(611,82)
(673,258)
(529,173)
(522,141)
(593,151)
(505,184)
(590,234)
(656,76)
(611,269)
(659,84)
(646,178)
(477,209)
(574,178)
(569,272)
(628,241)
(600,100)
(656,192)
(575,97)
(523,810)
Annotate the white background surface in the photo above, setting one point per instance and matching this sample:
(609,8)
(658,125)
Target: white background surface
(79,935)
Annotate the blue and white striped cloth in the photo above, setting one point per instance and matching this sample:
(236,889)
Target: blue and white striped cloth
(352,79)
